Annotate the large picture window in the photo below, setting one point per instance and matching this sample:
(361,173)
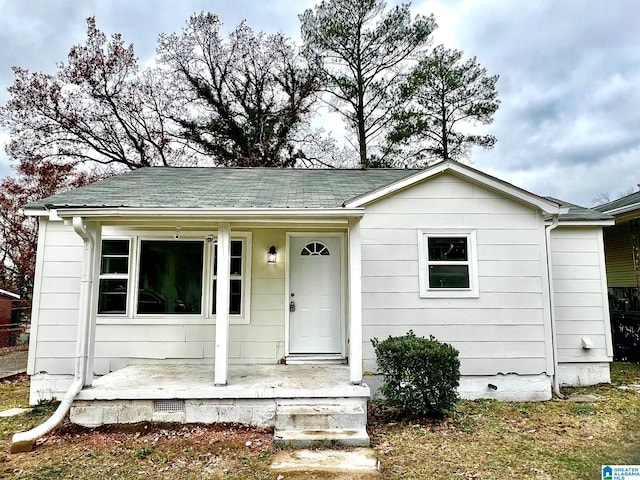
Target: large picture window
(447,264)
(170,277)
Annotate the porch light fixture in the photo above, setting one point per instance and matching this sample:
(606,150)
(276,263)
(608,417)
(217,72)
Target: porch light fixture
(271,254)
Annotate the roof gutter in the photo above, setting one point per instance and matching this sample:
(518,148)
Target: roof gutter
(230,213)
(24,441)
(552,305)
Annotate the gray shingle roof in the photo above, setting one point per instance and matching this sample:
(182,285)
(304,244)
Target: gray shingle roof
(180,187)
(579,214)
(626,201)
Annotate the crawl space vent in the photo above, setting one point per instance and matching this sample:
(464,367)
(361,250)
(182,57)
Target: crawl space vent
(168,406)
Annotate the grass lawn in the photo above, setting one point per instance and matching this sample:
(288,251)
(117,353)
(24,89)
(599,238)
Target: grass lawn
(482,440)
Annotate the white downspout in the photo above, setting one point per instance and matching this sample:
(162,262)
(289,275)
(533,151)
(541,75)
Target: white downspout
(552,302)
(24,441)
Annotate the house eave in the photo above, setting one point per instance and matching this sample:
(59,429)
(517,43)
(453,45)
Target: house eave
(622,210)
(586,223)
(213,213)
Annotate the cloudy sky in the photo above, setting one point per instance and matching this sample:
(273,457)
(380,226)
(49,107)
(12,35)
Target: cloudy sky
(569,122)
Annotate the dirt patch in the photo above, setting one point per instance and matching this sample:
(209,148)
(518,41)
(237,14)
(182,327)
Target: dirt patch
(171,451)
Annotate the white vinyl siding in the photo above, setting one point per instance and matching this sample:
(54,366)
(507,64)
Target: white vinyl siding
(504,329)
(52,346)
(582,309)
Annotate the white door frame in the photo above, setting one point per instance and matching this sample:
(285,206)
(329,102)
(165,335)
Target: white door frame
(343,290)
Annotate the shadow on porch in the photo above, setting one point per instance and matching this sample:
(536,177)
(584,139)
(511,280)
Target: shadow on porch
(307,404)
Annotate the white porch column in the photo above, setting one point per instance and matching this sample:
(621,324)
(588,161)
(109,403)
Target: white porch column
(222,304)
(355,303)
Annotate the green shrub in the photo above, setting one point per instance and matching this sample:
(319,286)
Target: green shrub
(420,375)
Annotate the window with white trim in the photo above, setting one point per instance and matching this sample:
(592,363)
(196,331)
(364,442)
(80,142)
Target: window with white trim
(171,277)
(236,278)
(448,265)
(114,277)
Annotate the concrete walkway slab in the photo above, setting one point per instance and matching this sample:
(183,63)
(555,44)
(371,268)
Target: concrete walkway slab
(360,463)
(12,412)
(13,363)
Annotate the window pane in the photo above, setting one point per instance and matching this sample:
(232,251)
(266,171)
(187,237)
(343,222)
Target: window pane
(170,277)
(448,276)
(236,248)
(236,258)
(115,247)
(112,296)
(115,256)
(236,266)
(447,249)
(235,297)
(215,294)
(115,265)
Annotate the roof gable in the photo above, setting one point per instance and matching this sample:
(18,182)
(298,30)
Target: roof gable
(469,174)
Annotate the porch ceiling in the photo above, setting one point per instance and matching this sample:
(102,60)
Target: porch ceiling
(172,381)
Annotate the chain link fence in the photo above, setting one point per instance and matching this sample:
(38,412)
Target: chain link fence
(13,337)
(14,346)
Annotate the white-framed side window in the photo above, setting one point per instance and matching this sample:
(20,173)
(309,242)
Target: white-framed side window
(448,265)
(152,275)
(239,274)
(113,279)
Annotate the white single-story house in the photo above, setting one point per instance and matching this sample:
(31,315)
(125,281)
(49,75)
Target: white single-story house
(312,265)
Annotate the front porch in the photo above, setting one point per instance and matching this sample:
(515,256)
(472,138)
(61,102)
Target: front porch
(307,404)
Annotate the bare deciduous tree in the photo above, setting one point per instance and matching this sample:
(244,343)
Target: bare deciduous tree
(240,99)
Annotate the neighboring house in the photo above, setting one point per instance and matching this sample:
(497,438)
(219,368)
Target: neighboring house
(8,317)
(7,301)
(622,252)
(316,263)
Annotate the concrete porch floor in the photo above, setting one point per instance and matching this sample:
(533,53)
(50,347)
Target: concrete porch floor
(307,404)
(179,381)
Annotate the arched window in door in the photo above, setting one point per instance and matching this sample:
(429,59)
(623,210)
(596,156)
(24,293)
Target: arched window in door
(315,248)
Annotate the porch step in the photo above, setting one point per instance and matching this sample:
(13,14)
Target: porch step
(321,438)
(314,417)
(326,422)
(301,359)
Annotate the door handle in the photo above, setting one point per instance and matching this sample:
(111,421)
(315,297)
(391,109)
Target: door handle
(292,306)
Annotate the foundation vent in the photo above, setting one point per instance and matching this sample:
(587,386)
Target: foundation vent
(168,406)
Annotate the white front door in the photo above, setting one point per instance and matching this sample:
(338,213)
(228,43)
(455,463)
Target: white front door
(315,290)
